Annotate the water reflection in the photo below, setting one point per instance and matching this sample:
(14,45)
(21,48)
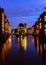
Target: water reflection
(32,39)
(22,42)
(27,44)
(37,43)
(5,48)
(40,44)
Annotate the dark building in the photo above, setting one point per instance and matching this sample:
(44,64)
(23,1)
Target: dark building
(4,23)
(22,28)
(40,39)
(4,27)
(1,21)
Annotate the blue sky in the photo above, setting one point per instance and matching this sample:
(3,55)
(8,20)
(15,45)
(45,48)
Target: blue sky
(22,11)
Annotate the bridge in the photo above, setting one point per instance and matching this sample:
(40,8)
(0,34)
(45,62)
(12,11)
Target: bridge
(26,34)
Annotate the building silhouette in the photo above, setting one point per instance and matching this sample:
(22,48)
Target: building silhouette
(4,27)
(40,39)
(40,29)
(22,28)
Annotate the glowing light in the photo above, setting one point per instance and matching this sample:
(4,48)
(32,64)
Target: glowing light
(40,19)
(32,40)
(37,31)
(40,25)
(3,54)
(45,25)
(18,42)
(37,44)
(45,31)
(44,46)
(6,47)
(41,49)
(37,26)
(25,42)
(45,18)
(45,10)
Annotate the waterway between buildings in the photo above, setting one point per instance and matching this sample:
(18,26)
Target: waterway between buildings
(14,54)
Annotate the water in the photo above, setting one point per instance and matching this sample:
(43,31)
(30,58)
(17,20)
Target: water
(13,54)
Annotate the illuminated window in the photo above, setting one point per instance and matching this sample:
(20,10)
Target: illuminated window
(45,28)
(45,25)
(40,19)
(45,18)
(6,25)
(3,24)
(2,30)
(37,26)
(40,25)
(44,46)
(45,31)
(37,31)
(3,16)
(2,19)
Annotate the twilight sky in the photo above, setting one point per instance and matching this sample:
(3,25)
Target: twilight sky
(22,11)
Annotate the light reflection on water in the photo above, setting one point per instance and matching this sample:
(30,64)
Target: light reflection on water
(27,43)
(23,42)
(6,47)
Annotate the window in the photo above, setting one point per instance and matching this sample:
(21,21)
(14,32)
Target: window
(45,31)
(2,19)
(44,18)
(37,26)
(40,19)
(44,46)
(40,25)
(45,25)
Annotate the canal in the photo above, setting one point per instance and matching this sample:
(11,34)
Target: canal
(14,53)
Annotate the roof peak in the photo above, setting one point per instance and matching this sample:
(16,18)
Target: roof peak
(45,9)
